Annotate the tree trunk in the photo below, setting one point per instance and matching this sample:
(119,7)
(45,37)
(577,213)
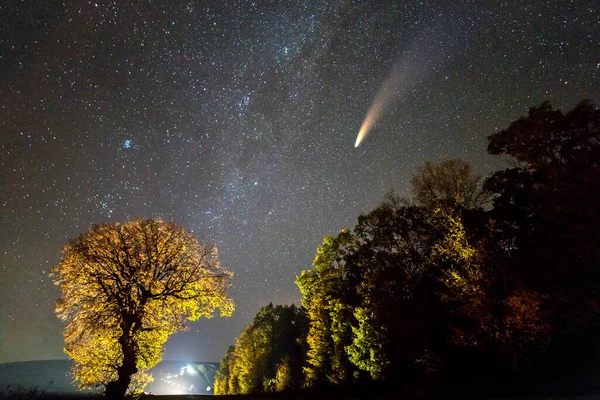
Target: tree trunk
(116,390)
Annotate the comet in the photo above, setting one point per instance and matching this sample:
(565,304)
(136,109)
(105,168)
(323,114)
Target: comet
(426,55)
(399,82)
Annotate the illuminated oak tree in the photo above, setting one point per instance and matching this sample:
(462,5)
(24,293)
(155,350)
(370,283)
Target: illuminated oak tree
(125,288)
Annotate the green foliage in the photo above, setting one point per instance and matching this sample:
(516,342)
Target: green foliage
(329,331)
(368,348)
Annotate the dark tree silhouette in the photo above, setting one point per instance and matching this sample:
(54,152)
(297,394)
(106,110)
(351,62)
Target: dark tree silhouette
(547,208)
(450,181)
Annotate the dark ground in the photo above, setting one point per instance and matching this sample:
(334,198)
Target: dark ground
(374,396)
(576,380)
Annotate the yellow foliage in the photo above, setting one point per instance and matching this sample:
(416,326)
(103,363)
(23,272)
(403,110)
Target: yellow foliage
(465,274)
(139,382)
(133,285)
(515,320)
(250,356)
(283,377)
(525,320)
(455,246)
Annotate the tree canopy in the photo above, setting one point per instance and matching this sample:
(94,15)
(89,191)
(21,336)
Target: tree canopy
(125,288)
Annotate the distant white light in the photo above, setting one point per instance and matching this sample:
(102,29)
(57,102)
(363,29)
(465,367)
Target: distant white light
(190,370)
(127,144)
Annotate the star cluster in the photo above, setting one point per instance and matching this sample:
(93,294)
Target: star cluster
(237,120)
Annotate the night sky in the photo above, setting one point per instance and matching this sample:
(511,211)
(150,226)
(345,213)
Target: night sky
(238,121)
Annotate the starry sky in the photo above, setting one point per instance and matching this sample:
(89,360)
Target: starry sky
(237,119)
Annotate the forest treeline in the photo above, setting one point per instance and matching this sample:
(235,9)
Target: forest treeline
(471,280)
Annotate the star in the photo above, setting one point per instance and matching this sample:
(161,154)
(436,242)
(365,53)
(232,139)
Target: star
(236,121)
